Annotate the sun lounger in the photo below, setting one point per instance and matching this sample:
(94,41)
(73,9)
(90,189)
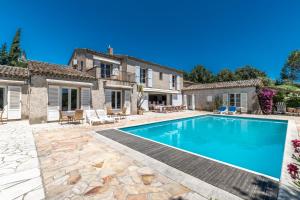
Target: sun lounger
(222,110)
(91,117)
(102,116)
(232,110)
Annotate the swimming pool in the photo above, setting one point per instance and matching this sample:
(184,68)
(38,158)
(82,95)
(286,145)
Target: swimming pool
(253,144)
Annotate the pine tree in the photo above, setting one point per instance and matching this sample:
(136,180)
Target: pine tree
(15,49)
(3,55)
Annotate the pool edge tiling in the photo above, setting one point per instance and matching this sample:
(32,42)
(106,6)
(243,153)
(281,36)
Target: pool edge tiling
(241,183)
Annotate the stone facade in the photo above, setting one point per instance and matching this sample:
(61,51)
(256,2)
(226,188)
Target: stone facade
(201,102)
(38,100)
(156,70)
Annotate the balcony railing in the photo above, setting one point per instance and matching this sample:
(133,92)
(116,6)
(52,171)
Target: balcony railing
(122,76)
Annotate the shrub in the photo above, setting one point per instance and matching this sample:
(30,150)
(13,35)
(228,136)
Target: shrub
(279,97)
(218,102)
(293,102)
(293,170)
(296,145)
(265,96)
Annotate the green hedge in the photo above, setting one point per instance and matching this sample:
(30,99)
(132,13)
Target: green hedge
(293,102)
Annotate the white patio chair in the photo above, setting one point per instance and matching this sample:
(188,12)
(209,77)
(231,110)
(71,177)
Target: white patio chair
(280,108)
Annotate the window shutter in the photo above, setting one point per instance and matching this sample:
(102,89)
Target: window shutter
(85,98)
(127,101)
(149,77)
(178,82)
(115,70)
(53,103)
(14,102)
(170,82)
(225,99)
(137,74)
(108,97)
(244,102)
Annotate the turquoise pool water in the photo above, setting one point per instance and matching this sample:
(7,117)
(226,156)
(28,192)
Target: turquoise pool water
(253,144)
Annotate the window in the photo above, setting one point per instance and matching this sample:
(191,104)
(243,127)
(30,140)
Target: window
(160,76)
(73,99)
(105,70)
(1,98)
(81,65)
(142,75)
(235,100)
(238,100)
(116,99)
(209,98)
(173,81)
(64,99)
(69,99)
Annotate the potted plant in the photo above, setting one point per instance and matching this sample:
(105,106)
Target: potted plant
(140,99)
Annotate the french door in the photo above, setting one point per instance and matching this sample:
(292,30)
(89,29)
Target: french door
(116,99)
(69,99)
(2,97)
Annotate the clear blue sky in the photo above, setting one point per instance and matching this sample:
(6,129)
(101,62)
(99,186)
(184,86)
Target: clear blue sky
(215,33)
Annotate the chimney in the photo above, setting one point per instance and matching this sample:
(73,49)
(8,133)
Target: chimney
(110,50)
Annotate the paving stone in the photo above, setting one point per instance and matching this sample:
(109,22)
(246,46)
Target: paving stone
(19,166)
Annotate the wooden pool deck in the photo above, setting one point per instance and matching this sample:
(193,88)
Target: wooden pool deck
(246,185)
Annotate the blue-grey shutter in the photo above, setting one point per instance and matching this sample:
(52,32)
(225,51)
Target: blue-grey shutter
(149,77)
(137,74)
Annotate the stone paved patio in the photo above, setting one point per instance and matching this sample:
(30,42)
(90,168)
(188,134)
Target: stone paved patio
(19,166)
(75,165)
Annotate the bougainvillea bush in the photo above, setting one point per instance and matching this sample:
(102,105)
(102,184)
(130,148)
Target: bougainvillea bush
(265,97)
(293,168)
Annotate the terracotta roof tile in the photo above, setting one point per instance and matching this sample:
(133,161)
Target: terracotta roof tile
(229,84)
(43,68)
(13,72)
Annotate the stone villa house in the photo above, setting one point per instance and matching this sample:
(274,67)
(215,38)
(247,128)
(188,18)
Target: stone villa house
(118,75)
(241,94)
(96,80)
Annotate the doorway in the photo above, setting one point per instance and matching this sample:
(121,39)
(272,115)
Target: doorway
(69,99)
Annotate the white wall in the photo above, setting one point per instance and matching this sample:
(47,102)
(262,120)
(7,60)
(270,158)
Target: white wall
(145,104)
(176,99)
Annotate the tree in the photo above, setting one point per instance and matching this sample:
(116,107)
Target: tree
(140,97)
(248,72)
(291,69)
(3,55)
(225,75)
(186,76)
(201,75)
(15,49)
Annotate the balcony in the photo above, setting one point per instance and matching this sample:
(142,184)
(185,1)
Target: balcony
(120,76)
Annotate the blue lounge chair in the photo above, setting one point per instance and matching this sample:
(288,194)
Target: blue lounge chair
(222,110)
(232,110)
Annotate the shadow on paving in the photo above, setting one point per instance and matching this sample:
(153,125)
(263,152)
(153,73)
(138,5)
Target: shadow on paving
(264,189)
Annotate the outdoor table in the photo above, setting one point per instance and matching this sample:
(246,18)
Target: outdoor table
(70,115)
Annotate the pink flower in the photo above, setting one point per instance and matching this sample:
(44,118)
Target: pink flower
(293,170)
(296,144)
